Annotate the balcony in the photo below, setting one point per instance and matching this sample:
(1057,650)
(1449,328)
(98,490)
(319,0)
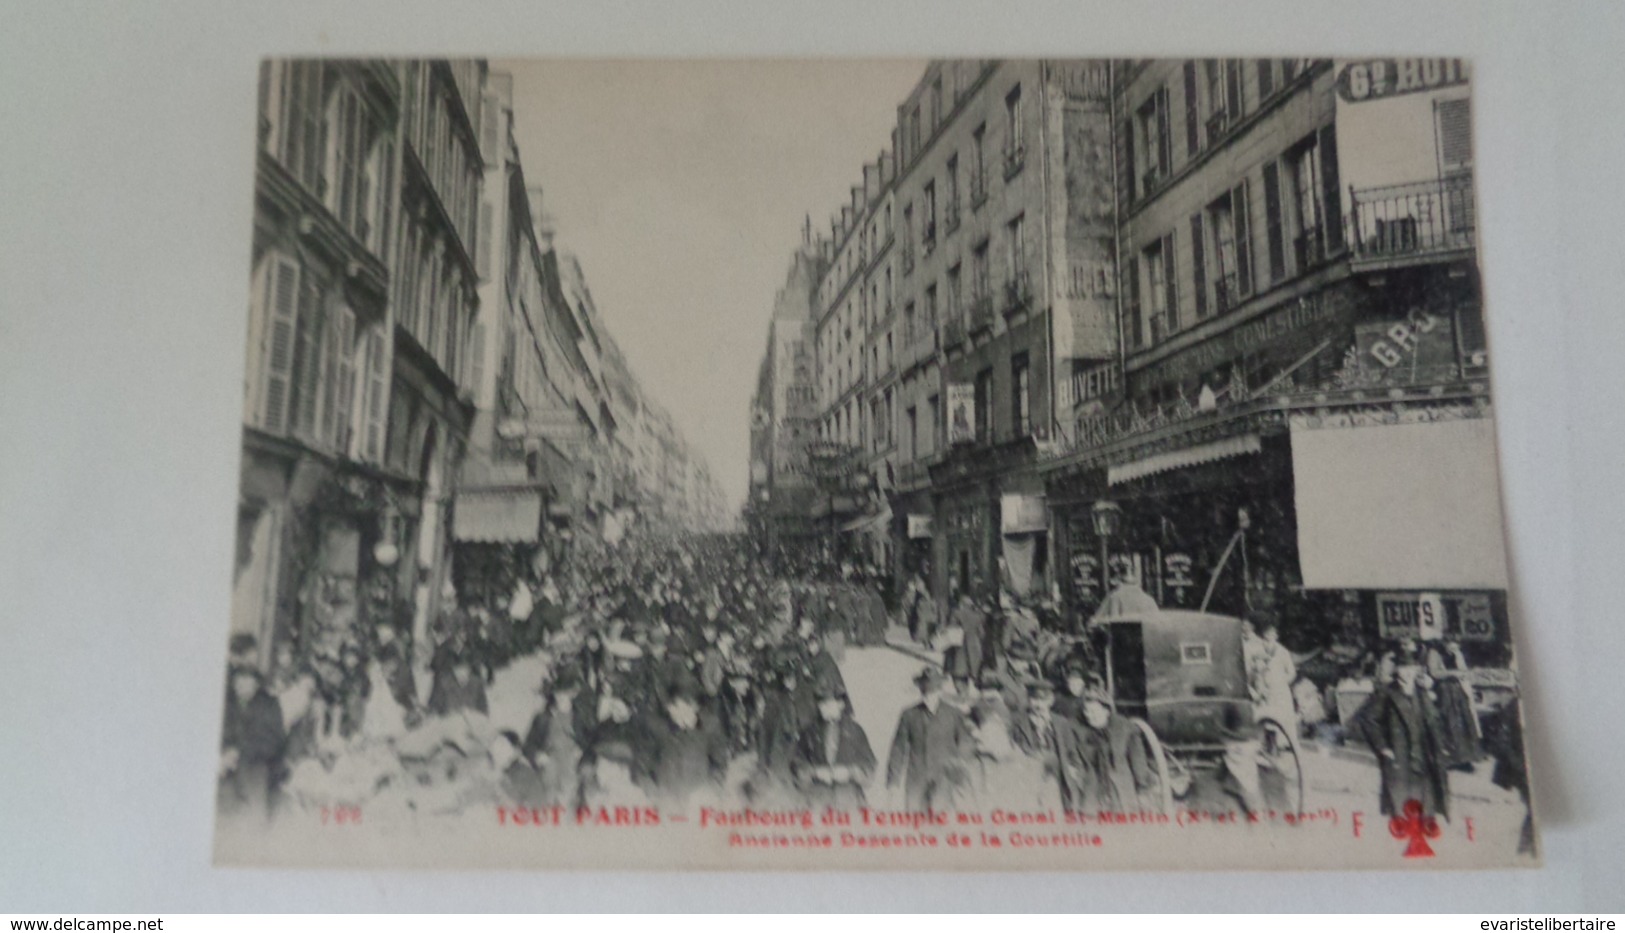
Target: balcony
(907,254)
(1309,248)
(1018,292)
(1421,222)
(953,331)
(1014,158)
(980,316)
(928,238)
(1151,179)
(978,190)
(1218,123)
(1161,327)
(1226,294)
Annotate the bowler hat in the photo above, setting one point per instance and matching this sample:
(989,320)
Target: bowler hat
(929,676)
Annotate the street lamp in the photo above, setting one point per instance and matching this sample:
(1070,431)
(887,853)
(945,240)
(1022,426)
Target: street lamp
(1107,518)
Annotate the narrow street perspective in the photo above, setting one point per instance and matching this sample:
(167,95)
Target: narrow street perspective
(1117,456)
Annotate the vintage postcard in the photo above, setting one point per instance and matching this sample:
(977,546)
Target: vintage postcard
(956,464)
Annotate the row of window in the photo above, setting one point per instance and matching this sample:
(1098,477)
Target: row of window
(1216,95)
(446,149)
(952,196)
(951,200)
(1206,268)
(315,121)
(926,435)
(434,302)
(314,374)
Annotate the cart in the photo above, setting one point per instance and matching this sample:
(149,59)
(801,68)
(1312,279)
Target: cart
(1181,677)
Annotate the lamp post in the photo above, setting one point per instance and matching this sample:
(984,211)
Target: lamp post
(1107,518)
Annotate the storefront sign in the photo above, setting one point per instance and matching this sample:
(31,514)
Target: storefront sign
(1429,616)
(1250,337)
(1023,514)
(1421,339)
(961,413)
(919,526)
(1378,78)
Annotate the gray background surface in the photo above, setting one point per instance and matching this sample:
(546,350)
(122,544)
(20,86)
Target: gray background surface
(126,154)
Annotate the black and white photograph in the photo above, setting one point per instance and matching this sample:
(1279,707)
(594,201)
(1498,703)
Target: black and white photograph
(953,464)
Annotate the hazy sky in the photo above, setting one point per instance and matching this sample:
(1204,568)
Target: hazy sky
(682,187)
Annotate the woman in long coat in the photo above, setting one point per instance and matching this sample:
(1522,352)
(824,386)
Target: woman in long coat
(833,762)
(1402,726)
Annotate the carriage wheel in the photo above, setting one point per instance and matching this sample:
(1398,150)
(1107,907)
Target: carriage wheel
(1278,754)
(1165,769)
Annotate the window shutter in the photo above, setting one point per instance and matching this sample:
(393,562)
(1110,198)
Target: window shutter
(1198,268)
(1266,78)
(1131,285)
(1232,88)
(1244,247)
(1129,170)
(344,333)
(307,362)
(476,358)
(281,303)
(1272,221)
(1192,118)
(371,409)
(1332,187)
(1165,151)
(1455,134)
(482,245)
(1170,282)
(329,408)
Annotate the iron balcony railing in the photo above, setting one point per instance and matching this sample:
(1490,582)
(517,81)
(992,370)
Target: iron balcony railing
(1309,248)
(1226,293)
(953,331)
(980,309)
(1014,158)
(1417,221)
(1018,292)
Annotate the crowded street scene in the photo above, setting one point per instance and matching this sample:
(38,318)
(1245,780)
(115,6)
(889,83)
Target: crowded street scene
(1040,504)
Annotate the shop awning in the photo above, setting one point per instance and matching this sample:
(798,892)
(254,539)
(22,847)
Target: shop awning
(879,521)
(1402,506)
(1186,456)
(505,516)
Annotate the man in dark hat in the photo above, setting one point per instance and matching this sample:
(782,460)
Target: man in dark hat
(1402,725)
(252,745)
(559,735)
(1103,762)
(833,762)
(931,747)
(692,754)
(741,708)
(1036,732)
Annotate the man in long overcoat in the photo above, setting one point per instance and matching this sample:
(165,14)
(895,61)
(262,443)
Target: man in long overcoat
(1402,726)
(1103,759)
(931,748)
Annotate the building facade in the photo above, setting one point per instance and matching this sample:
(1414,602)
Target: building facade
(355,408)
(1093,320)
(784,407)
(1300,327)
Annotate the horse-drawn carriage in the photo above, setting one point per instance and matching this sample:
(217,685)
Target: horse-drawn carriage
(1181,676)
